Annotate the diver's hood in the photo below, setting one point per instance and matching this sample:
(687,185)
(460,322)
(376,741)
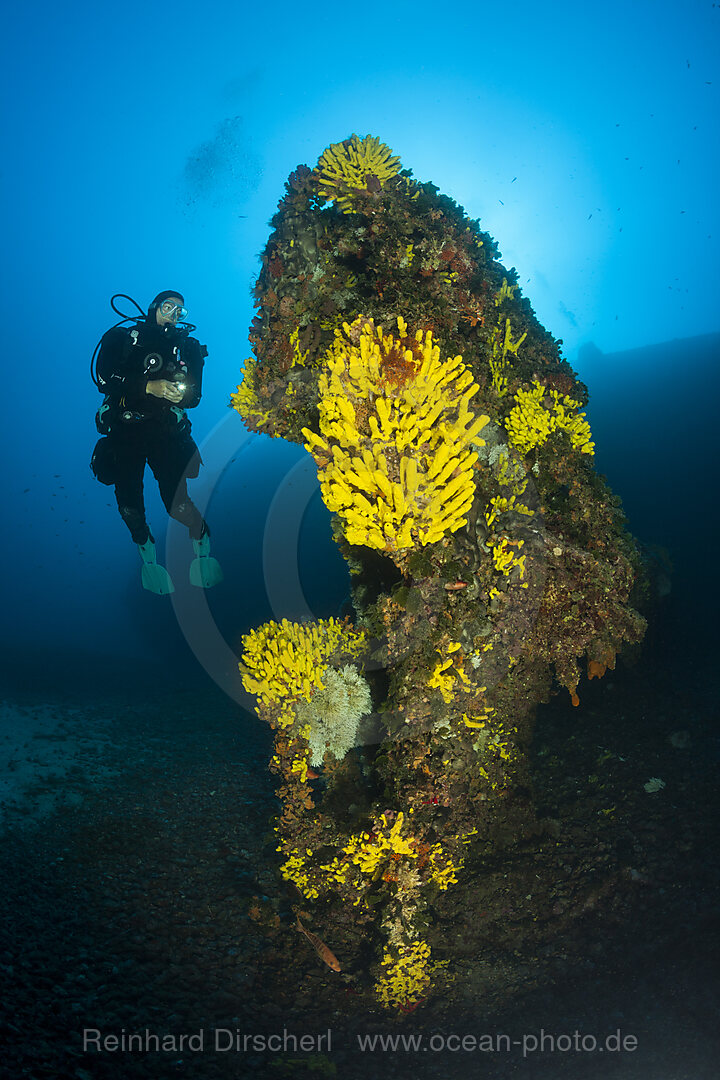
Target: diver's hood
(150,317)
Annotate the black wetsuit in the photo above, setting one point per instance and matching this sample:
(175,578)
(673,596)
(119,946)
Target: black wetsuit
(140,429)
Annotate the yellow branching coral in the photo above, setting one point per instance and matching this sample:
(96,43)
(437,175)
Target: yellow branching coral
(300,763)
(245,399)
(511,471)
(395,457)
(283,663)
(500,505)
(495,744)
(406,978)
(354,164)
(511,475)
(299,357)
(388,851)
(448,672)
(506,556)
(408,256)
(368,850)
(504,292)
(478,720)
(294,870)
(443,869)
(502,344)
(539,412)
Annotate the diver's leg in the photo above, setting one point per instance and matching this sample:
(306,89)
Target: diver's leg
(169,461)
(130,456)
(172,463)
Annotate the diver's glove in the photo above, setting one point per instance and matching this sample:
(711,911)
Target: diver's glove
(204,570)
(154,578)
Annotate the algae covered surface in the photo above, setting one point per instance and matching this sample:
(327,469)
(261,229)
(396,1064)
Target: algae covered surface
(489,561)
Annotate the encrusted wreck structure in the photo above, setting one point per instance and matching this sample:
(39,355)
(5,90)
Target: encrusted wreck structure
(489,561)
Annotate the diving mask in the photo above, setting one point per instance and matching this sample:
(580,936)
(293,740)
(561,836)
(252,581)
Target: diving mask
(171,310)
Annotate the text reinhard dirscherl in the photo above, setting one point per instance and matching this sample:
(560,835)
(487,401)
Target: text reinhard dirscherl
(220,1040)
(224,1040)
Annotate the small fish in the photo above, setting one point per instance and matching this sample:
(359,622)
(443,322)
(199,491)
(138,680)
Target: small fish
(311,774)
(453,585)
(320,947)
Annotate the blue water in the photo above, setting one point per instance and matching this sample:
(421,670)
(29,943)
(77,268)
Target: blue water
(147,147)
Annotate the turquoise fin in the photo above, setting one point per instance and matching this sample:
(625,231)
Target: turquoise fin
(204,570)
(154,578)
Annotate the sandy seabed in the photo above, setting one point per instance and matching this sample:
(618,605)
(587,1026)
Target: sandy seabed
(144,931)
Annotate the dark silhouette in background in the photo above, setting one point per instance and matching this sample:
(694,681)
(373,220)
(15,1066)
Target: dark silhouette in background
(652,412)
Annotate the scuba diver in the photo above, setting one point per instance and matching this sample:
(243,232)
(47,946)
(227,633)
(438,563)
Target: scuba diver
(151,372)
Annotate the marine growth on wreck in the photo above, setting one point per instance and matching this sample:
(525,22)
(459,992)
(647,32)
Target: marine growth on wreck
(489,561)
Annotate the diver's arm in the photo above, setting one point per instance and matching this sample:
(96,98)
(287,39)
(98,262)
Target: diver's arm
(117,377)
(193,355)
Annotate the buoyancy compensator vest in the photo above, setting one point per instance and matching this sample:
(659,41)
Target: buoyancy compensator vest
(128,358)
